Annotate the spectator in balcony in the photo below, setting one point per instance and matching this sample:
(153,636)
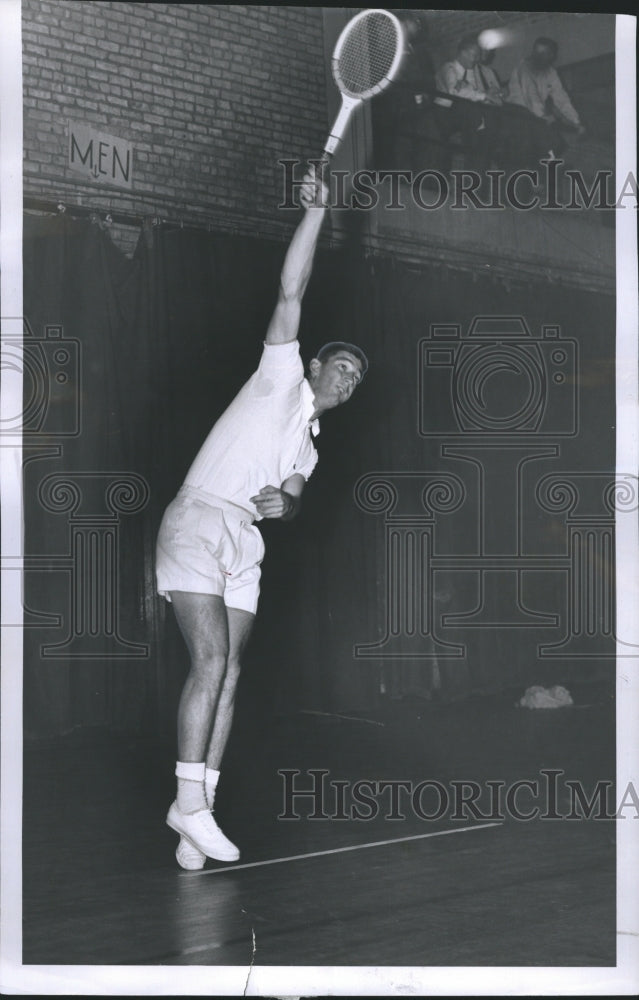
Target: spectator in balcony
(535,86)
(404,131)
(418,70)
(459,77)
(489,78)
(494,116)
(467,114)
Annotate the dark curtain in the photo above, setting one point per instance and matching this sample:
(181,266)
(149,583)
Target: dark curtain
(388,307)
(165,341)
(77,303)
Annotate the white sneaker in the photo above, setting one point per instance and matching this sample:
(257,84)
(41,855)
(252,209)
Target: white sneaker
(202,832)
(189,857)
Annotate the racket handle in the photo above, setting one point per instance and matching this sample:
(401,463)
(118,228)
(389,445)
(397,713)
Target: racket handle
(339,127)
(322,167)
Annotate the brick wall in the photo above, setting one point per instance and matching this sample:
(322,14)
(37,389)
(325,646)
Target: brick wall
(210,97)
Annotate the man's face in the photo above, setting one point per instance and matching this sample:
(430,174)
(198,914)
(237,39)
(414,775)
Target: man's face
(335,379)
(411,27)
(470,57)
(542,56)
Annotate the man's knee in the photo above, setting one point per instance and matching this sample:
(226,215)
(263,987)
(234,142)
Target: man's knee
(209,658)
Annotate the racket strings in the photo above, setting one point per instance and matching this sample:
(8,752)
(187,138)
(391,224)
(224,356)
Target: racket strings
(367,54)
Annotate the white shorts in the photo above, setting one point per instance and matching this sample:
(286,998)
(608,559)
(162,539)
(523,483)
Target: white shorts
(205,549)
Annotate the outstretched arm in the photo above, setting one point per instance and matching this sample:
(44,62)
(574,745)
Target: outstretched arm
(298,264)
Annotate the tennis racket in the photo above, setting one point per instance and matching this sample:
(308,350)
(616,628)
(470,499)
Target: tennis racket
(366,60)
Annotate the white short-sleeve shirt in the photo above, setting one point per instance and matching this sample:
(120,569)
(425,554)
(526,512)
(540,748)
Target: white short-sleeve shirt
(264,436)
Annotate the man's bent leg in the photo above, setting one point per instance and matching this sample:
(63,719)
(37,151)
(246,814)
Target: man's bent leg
(240,625)
(204,624)
(203,621)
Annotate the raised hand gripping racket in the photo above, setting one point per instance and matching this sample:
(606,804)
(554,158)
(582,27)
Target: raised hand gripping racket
(366,60)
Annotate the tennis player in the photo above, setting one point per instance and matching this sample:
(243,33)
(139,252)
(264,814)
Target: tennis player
(253,465)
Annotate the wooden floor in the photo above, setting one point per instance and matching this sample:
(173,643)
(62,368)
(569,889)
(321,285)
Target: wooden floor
(101,885)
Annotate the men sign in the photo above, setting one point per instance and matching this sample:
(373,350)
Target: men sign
(101,157)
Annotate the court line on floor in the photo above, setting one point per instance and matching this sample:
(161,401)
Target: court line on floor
(339,850)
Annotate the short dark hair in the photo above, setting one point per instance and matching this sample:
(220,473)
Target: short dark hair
(548,43)
(335,346)
(467,42)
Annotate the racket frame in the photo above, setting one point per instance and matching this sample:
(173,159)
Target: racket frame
(350,101)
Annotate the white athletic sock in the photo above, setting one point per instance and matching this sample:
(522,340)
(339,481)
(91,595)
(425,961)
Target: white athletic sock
(190,786)
(211,778)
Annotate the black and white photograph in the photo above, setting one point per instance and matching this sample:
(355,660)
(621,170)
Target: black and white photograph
(319,456)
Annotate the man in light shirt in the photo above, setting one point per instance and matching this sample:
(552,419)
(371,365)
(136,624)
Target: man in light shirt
(535,86)
(488,77)
(469,113)
(253,465)
(459,77)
